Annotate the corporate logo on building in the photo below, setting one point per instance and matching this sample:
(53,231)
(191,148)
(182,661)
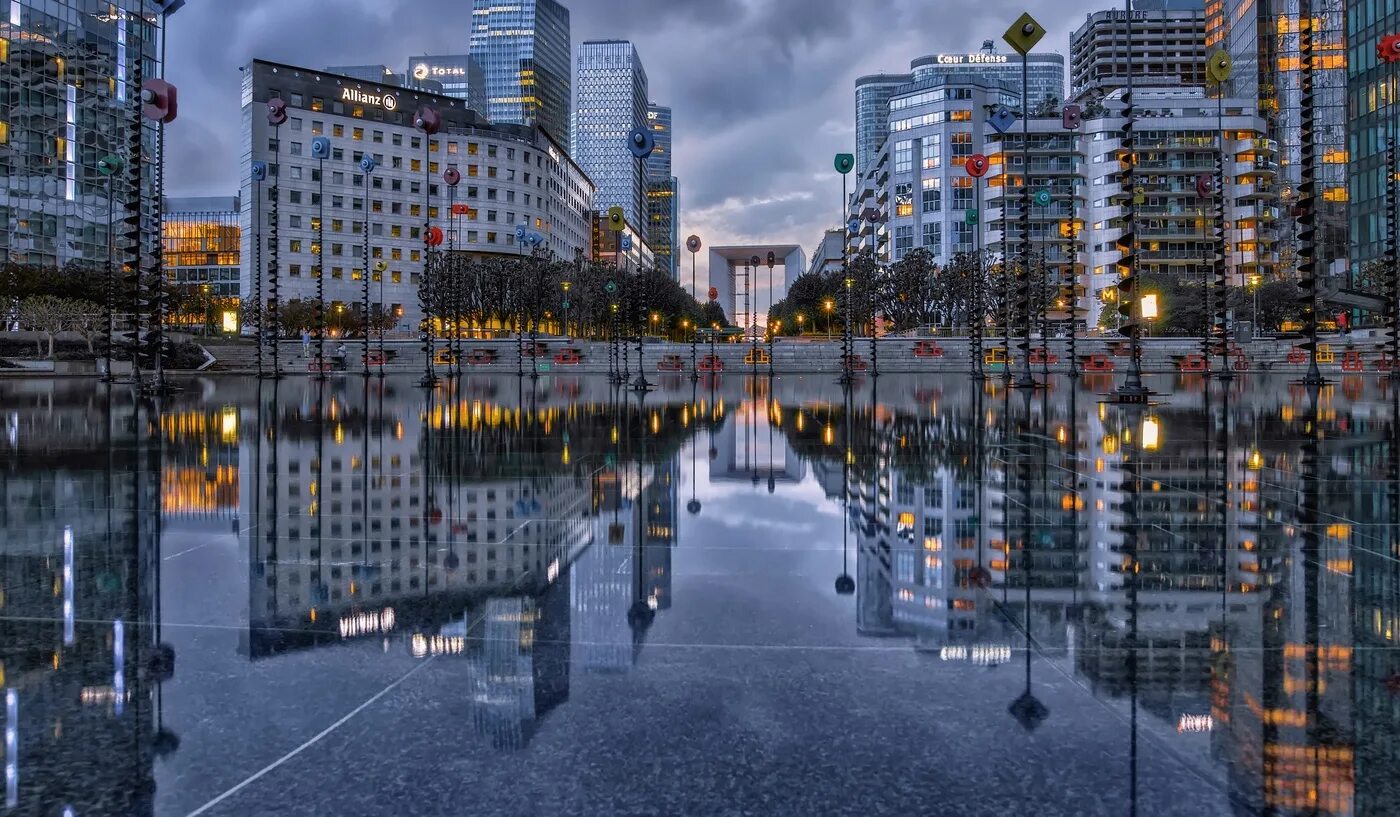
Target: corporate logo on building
(386,101)
(972,59)
(423,70)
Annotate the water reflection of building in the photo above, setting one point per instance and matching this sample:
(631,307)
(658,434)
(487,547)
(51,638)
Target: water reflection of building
(201,463)
(377,517)
(520,673)
(629,564)
(748,449)
(79,563)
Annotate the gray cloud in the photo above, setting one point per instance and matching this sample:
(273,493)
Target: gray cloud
(762,89)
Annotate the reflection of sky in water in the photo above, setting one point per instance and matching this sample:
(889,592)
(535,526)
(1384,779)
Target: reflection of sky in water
(177,614)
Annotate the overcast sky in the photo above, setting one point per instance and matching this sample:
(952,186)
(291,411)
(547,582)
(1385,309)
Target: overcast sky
(762,89)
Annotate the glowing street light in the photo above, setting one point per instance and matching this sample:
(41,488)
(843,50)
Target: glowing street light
(1151,433)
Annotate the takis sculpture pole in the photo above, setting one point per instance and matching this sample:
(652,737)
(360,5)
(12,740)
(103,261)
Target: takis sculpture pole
(110,166)
(276,116)
(641,143)
(617,222)
(1022,37)
(1132,389)
(452,177)
(160,104)
(259,175)
(844,163)
(976,167)
(429,121)
(1388,51)
(693,245)
(320,151)
(1218,68)
(367,166)
(1307,191)
(1071,117)
(1001,118)
(772,259)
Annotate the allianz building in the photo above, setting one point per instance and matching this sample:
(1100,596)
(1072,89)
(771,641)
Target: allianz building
(511,175)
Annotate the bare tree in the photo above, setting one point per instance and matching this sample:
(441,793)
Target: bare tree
(44,314)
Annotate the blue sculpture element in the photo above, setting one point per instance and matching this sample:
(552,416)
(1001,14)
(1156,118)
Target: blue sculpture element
(368,164)
(259,171)
(321,147)
(1002,119)
(641,142)
(626,242)
(520,232)
(853,226)
(536,239)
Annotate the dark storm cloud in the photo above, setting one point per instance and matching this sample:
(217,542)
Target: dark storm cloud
(762,90)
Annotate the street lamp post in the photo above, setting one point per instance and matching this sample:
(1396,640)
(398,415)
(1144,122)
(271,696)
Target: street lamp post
(693,245)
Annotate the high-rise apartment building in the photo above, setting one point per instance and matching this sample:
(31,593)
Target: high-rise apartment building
(525,51)
(461,77)
(71,79)
(612,101)
(1167,44)
(1371,97)
(663,201)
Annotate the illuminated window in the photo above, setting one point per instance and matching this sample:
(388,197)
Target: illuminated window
(960,116)
(337,130)
(358,134)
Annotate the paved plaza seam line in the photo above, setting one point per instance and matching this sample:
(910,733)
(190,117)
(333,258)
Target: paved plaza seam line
(308,744)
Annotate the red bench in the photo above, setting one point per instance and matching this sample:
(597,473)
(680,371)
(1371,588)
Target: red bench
(1098,363)
(710,363)
(670,363)
(927,348)
(568,357)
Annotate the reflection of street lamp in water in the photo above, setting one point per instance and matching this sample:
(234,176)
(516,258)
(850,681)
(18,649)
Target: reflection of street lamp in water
(1254,281)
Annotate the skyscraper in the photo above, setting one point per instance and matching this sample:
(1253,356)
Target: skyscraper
(1262,37)
(461,76)
(663,204)
(612,100)
(524,49)
(1371,96)
(873,94)
(71,79)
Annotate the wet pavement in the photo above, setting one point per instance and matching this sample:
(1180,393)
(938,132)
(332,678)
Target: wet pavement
(739,596)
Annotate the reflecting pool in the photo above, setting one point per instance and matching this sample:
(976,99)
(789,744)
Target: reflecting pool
(732,596)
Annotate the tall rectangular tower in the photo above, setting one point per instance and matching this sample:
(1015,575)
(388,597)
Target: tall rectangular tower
(524,49)
(612,100)
(71,79)
(663,207)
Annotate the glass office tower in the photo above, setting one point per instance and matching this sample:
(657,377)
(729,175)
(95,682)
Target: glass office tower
(1371,93)
(524,49)
(663,204)
(71,74)
(612,100)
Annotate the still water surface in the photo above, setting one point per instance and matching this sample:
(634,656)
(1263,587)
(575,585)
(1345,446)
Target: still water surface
(912,596)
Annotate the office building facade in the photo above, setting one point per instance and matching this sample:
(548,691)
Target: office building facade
(1262,38)
(460,76)
(1167,44)
(873,94)
(935,126)
(511,175)
(612,102)
(1045,79)
(203,243)
(663,194)
(525,50)
(1045,73)
(1371,97)
(71,79)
